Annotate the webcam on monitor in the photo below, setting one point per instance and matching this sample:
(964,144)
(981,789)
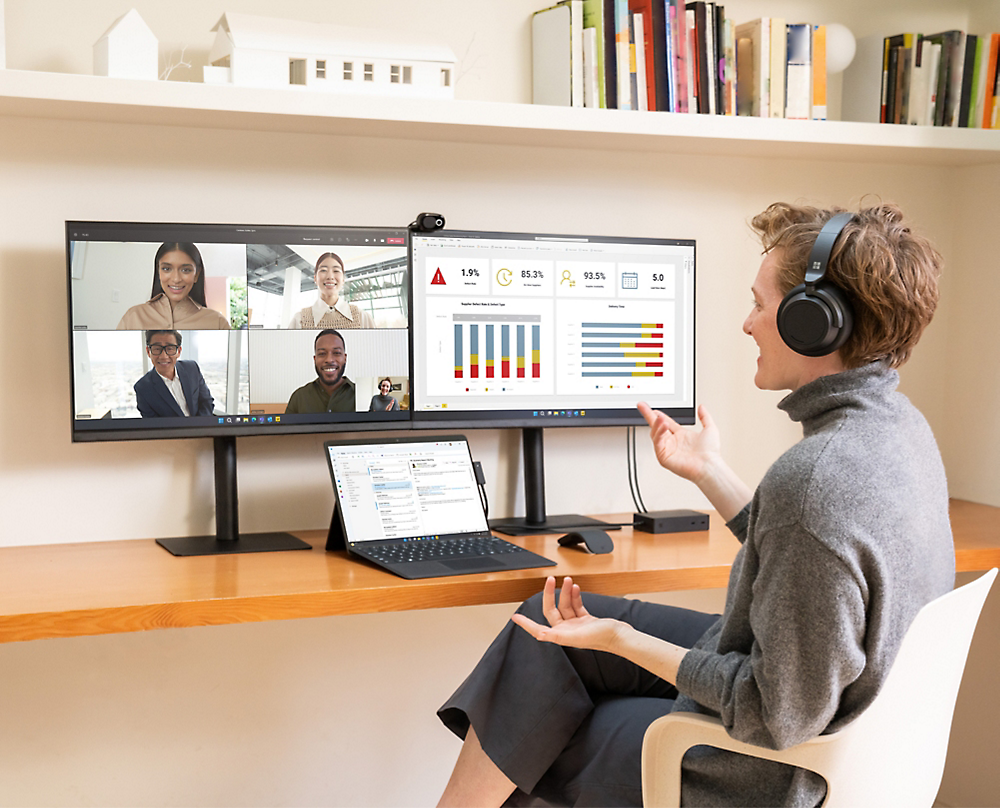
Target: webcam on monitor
(428,222)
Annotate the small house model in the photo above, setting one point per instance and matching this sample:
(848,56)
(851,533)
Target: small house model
(253,51)
(127,50)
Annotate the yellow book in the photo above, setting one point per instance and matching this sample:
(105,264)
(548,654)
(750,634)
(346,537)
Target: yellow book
(819,73)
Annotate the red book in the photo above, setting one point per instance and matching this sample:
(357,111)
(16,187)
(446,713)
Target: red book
(645,7)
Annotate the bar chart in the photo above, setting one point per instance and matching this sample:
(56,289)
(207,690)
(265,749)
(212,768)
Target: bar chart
(480,339)
(614,350)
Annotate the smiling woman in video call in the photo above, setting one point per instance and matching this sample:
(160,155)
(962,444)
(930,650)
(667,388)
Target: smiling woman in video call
(177,299)
(331,309)
(846,537)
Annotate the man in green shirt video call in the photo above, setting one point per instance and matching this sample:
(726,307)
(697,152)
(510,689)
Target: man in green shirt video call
(331,391)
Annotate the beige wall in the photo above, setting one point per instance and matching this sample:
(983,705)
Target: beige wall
(295,713)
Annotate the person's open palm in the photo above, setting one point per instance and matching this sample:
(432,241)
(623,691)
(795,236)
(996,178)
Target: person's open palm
(683,451)
(569,621)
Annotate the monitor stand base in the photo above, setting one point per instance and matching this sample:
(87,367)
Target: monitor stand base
(246,543)
(553,524)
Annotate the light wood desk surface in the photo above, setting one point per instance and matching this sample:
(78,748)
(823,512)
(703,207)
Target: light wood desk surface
(69,590)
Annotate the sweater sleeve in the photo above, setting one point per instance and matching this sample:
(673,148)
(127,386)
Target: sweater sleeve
(807,627)
(738,524)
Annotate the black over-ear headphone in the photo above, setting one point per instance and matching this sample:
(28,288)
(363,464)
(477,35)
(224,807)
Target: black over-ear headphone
(815,318)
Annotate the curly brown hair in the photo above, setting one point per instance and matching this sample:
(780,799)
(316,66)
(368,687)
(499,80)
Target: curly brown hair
(889,273)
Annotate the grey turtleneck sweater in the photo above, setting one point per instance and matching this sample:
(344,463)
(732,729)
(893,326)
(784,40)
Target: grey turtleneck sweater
(846,538)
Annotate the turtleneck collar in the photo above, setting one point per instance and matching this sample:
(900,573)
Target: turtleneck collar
(831,392)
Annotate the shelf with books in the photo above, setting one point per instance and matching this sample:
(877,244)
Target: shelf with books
(88,98)
(943,79)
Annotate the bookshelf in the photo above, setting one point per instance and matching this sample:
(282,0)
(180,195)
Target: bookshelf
(74,97)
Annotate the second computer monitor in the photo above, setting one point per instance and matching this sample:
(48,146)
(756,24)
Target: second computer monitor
(532,330)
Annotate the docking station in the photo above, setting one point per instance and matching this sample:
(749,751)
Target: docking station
(679,521)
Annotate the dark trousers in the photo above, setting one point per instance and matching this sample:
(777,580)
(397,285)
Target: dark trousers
(565,724)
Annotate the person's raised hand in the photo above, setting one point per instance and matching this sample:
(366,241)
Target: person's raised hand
(685,452)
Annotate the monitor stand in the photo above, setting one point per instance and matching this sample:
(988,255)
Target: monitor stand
(535,519)
(227,539)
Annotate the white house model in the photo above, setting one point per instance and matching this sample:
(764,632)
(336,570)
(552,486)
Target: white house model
(253,51)
(127,50)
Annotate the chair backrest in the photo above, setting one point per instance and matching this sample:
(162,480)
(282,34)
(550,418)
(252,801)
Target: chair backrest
(894,753)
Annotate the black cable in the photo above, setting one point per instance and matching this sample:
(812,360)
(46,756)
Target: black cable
(477,467)
(629,462)
(635,464)
(484,500)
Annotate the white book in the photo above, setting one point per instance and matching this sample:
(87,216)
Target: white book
(591,76)
(641,90)
(933,74)
(798,78)
(752,66)
(552,57)
(576,49)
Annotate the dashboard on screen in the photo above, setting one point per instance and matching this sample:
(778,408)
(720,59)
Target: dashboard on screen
(515,329)
(181,330)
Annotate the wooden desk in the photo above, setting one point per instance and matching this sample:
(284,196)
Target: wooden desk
(71,590)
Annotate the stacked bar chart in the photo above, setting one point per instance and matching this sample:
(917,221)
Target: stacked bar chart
(489,351)
(476,348)
(622,349)
(536,351)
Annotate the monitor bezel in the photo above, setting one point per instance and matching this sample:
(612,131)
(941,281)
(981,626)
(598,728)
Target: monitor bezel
(516,419)
(209,427)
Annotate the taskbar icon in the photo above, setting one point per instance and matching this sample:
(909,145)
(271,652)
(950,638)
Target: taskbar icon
(241,420)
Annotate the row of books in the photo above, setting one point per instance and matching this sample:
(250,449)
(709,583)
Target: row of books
(945,79)
(677,56)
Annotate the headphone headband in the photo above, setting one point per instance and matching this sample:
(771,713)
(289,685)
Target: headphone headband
(822,249)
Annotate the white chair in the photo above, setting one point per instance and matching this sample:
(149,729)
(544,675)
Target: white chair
(892,754)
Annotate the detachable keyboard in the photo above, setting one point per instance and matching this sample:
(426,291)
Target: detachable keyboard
(438,549)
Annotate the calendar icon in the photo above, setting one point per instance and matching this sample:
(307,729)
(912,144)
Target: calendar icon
(630,280)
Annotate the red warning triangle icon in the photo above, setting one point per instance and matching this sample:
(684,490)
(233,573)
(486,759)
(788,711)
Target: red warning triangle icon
(438,279)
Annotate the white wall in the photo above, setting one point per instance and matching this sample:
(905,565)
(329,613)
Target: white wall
(144,718)
(75,173)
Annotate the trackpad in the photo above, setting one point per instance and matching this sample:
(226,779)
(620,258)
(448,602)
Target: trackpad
(474,564)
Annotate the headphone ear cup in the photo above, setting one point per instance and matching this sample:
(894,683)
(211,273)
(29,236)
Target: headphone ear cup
(817,322)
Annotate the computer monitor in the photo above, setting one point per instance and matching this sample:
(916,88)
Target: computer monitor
(228,330)
(541,330)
